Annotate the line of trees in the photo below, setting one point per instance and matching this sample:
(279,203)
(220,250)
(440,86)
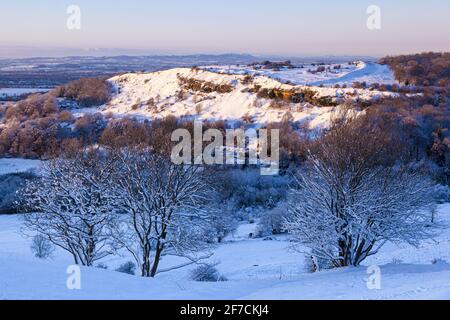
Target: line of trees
(427,69)
(87,92)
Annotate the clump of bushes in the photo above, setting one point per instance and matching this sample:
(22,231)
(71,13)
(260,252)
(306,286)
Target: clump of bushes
(30,139)
(9,185)
(42,247)
(203,86)
(128,268)
(421,69)
(271,221)
(90,126)
(276,65)
(295,96)
(315,264)
(207,273)
(87,92)
(248,189)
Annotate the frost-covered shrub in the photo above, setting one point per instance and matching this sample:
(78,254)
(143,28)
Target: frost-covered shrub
(9,185)
(315,264)
(101,265)
(128,267)
(90,126)
(249,189)
(441,193)
(207,273)
(439,261)
(397,261)
(42,247)
(271,221)
(223,222)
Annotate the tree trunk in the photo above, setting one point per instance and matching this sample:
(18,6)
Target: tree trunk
(159,250)
(145,267)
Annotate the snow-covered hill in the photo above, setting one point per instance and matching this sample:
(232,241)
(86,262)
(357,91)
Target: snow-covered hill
(165,93)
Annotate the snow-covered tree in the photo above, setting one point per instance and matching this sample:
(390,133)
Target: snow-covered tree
(162,209)
(352,198)
(272,220)
(73,204)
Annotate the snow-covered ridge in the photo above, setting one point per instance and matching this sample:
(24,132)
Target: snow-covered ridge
(337,73)
(161,94)
(255,268)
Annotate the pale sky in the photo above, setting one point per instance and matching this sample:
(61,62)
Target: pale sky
(277,27)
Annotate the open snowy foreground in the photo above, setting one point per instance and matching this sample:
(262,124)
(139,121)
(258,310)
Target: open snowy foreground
(255,269)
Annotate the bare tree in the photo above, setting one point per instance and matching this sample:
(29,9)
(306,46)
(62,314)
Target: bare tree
(162,209)
(73,205)
(352,198)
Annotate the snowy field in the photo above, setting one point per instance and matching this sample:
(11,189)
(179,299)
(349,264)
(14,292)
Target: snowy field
(15,92)
(368,72)
(255,268)
(17,165)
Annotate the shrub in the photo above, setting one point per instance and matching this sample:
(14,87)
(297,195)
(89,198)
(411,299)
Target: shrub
(34,107)
(247,118)
(203,86)
(101,265)
(32,139)
(9,185)
(222,222)
(87,92)
(90,126)
(198,108)
(279,104)
(247,188)
(207,273)
(281,97)
(247,79)
(441,193)
(314,264)
(421,69)
(42,247)
(346,165)
(128,267)
(66,116)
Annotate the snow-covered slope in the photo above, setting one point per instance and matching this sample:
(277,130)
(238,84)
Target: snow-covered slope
(341,74)
(160,94)
(256,269)
(17,165)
